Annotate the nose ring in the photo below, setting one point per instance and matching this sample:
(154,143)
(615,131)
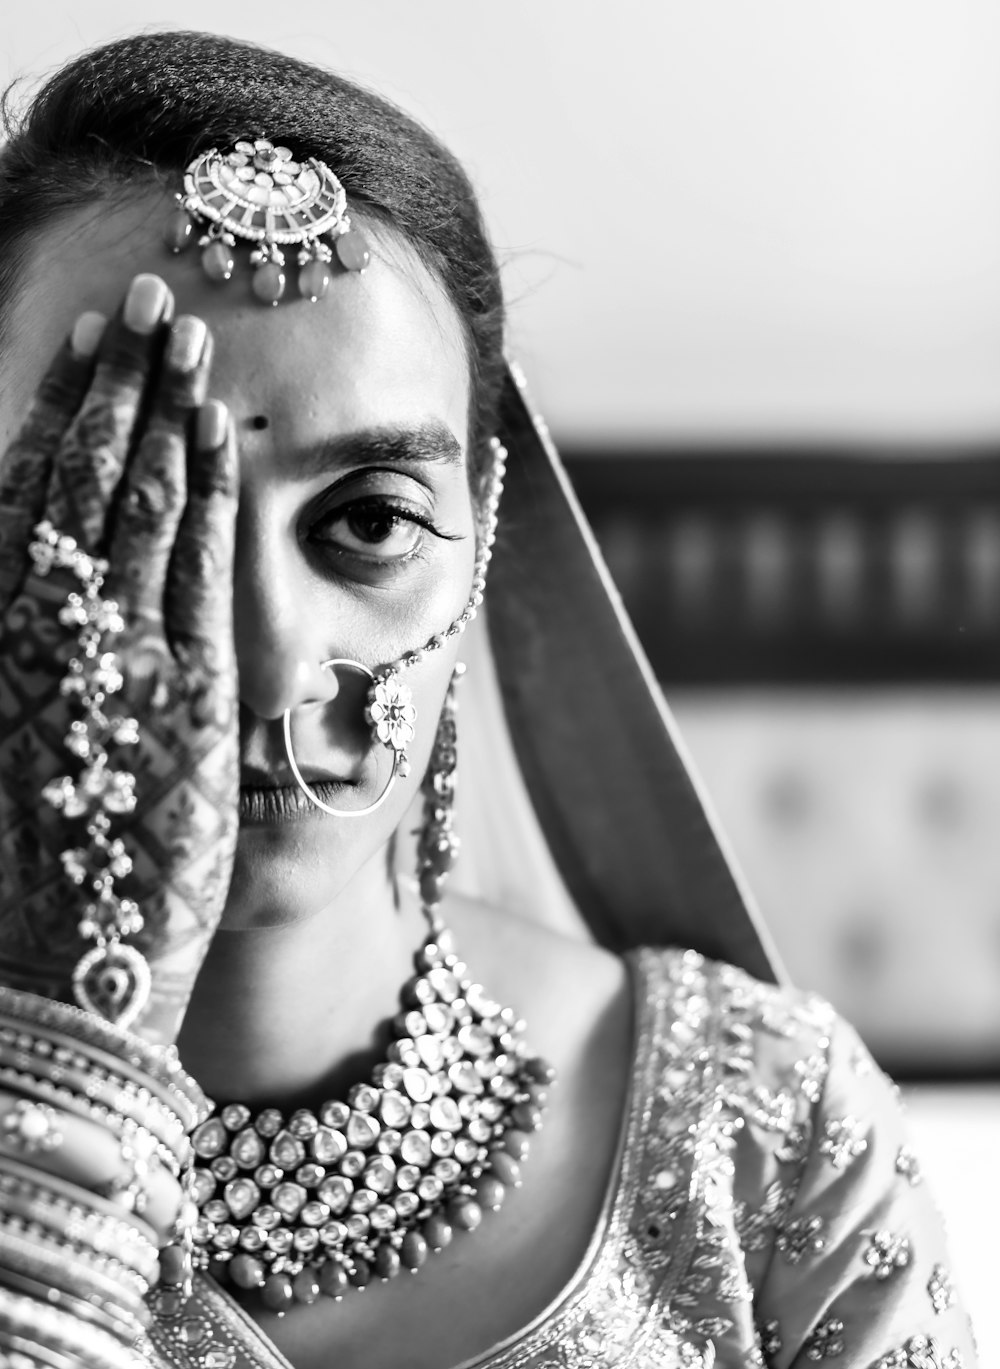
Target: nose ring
(390,715)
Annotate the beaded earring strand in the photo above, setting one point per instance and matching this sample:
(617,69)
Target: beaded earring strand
(321,1202)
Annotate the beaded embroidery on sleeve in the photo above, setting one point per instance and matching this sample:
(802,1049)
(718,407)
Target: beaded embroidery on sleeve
(714,1248)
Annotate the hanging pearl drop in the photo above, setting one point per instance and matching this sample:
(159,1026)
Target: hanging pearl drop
(333,1280)
(217,261)
(179,231)
(269,282)
(277,1293)
(387,1262)
(305,1285)
(314,280)
(246,1271)
(352,251)
(413,1250)
(465,1213)
(490,1192)
(360,1275)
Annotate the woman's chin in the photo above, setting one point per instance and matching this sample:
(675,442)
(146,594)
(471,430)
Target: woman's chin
(286,873)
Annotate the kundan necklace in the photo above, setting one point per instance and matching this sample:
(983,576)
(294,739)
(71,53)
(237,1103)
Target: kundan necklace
(319,1202)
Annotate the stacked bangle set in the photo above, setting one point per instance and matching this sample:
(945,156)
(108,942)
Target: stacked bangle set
(77,1257)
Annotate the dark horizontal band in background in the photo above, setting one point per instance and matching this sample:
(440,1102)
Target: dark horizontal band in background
(757,566)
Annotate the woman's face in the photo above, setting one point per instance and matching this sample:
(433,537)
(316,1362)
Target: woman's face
(355,535)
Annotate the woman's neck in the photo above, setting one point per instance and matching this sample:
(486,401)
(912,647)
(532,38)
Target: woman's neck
(288,1016)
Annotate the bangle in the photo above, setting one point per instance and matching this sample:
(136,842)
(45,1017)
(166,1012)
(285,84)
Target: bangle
(72,1223)
(27,1354)
(103,1091)
(92,1065)
(24,1247)
(33,1216)
(41,1330)
(157,1068)
(14,1174)
(59,1096)
(97,1314)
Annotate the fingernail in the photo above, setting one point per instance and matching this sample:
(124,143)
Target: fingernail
(87,333)
(187,343)
(145,303)
(212,425)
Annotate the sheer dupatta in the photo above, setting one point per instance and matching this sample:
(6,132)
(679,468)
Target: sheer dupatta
(578,802)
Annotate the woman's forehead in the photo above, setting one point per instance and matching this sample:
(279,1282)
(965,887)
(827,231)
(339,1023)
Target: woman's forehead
(382,346)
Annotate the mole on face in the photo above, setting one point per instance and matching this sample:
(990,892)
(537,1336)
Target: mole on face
(260,421)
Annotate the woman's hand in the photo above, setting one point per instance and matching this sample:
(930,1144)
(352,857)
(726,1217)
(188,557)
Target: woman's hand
(121,453)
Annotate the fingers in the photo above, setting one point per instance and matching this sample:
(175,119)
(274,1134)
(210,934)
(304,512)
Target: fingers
(199,600)
(91,457)
(26,466)
(153,490)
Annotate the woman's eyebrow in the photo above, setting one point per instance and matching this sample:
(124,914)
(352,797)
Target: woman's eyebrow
(424,443)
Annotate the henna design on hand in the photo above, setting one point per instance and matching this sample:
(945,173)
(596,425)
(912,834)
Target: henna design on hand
(26,466)
(118,480)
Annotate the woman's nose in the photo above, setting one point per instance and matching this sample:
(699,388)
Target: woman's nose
(280,644)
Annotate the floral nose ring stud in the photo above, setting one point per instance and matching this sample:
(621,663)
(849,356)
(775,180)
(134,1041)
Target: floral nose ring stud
(390,715)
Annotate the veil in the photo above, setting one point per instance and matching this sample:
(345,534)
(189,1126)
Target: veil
(578,803)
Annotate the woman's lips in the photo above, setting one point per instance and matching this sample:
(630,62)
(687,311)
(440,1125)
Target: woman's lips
(266,800)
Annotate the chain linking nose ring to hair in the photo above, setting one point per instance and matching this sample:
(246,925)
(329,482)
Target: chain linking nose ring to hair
(390,715)
(389,709)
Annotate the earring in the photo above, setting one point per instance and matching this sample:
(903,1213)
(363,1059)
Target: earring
(437,845)
(389,713)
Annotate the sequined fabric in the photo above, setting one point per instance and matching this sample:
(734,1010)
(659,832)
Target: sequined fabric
(767,1211)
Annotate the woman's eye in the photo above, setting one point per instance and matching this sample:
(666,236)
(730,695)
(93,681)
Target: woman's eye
(371,527)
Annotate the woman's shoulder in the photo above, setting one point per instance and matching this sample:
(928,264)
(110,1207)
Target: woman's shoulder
(773,1043)
(791,1076)
(767,1127)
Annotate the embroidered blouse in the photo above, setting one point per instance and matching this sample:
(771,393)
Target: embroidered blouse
(766,1210)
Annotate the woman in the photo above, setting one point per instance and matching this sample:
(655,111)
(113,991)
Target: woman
(240,546)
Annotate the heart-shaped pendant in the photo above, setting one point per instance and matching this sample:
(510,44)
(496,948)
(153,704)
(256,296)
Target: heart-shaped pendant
(113,982)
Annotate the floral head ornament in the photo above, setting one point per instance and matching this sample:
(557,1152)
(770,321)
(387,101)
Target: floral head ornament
(260,194)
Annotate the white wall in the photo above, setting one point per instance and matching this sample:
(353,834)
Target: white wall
(722,217)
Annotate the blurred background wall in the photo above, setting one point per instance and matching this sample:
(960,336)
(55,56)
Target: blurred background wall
(753,254)
(720,218)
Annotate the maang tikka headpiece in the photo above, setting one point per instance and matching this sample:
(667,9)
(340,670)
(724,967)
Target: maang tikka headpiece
(260,194)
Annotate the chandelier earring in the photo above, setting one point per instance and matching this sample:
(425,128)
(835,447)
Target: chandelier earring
(437,845)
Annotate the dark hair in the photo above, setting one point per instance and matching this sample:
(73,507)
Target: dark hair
(142,108)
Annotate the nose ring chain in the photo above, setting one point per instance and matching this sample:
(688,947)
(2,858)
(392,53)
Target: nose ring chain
(389,709)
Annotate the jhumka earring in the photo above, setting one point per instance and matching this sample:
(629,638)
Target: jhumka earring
(437,845)
(260,194)
(389,709)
